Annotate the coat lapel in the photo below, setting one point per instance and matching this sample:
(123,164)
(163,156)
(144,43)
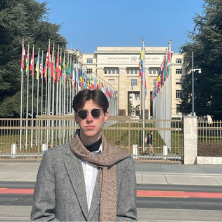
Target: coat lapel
(75,171)
(95,199)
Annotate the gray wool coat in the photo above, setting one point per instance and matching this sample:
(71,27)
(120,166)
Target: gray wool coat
(60,193)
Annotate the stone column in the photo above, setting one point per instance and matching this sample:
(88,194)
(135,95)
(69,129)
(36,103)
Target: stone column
(190,137)
(122,98)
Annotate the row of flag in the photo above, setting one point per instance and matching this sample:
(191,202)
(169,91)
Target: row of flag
(63,69)
(163,73)
(141,69)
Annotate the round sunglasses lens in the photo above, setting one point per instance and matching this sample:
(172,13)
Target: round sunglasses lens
(82,114)
(95,113)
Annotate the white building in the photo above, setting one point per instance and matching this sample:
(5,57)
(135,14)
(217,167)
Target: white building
(118,66)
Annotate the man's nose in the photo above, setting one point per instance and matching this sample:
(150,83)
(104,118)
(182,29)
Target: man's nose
(89,117)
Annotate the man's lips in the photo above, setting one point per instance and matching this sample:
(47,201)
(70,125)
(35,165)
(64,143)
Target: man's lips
(90,127)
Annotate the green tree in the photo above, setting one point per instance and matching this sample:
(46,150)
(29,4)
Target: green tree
(130,105)
(206,44)
(21,19)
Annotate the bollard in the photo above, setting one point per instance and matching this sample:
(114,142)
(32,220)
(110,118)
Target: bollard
(44,148)
(165,152)
(135,151)
(13,150)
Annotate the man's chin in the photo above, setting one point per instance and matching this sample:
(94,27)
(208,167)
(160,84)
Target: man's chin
(91,133)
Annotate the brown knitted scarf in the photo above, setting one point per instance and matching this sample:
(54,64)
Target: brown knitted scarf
(106,162)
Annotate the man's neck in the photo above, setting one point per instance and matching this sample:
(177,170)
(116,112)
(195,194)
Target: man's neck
(95,146)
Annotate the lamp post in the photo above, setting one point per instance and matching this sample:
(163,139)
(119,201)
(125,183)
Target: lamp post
(193,70)
(192,87)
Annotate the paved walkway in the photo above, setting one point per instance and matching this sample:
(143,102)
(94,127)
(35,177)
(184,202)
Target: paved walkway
(146,173)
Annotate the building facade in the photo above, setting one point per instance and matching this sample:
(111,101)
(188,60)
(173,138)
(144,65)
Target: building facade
(119,67)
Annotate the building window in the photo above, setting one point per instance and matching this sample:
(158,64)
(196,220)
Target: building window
(111,71)
(89,60)
(178,108)
(89,71)
(178,94)
(178,60)
(137,96)
(111,82)
(153,71)
(154,82)
(133,82)
(178,71)
(131,71)
(178,81)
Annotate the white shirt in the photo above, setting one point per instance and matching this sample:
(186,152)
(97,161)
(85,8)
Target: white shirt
(90,174)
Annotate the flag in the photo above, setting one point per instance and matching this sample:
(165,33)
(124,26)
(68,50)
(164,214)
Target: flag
(45,71)
(54,72)
(141,64)
(52,63)
(60,64)
(32,62)
(48,56)
(64,69)
(41,66)
(37,67)
(57,65)
(27,61)
(168,61)
(162,72)
(77,76)
(67,66)
(22,58)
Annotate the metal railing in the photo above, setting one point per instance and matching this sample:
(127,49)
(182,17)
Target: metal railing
(29,138)
(209,138)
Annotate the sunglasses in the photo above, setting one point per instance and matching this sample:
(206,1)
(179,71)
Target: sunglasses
(82,114)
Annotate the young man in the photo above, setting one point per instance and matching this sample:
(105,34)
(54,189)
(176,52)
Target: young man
(86,179)
(150,142)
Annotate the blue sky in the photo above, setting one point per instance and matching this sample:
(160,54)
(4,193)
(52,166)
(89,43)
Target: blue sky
(87,24)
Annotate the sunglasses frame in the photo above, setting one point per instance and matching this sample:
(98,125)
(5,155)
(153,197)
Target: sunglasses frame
(101,111)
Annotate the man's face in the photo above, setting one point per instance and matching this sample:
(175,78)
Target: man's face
(90,127)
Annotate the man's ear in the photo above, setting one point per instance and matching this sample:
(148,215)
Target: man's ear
(106,116)
(76,118)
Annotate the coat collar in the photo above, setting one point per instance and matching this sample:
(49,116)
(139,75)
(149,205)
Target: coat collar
(75,171)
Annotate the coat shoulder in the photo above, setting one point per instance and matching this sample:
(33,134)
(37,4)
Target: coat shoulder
(58,150)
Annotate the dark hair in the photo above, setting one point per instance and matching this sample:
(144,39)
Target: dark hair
(96,95)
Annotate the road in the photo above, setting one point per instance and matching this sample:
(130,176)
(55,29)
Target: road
(153,201)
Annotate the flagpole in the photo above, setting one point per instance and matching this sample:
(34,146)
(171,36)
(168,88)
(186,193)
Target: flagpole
(143,94)
(60,94)
(64,95)
(49,88)
(27,101)
(42,96)
(22,74)
(57,90)
(37,107)
(32,94)
(46,95)
(53,96)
